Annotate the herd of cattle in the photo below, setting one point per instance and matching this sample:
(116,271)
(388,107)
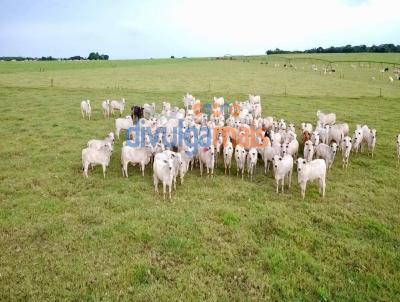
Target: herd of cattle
(276,142)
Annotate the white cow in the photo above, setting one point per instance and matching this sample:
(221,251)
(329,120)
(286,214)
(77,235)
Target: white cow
(135,156)
(228,151)
(93,157)
(346,149)
(283,167)
(268,154)
(323,132)
(251,161)
(166,106)
(240,157)
(306,171)
(186,158)
(105,105)
(118,105)
(337,132)
(291,148)
(86,109)
(149,110)
(326,119)
(98,143)
(326,152)
(306,127)
(254,99)
(163,170)
(308,151)
(123,124)
(257,110)
(364,136)
(291,127)
(315,138)
(188,101)
(177,164)
(207,157)
(357,139)
(371,141)
(344,127)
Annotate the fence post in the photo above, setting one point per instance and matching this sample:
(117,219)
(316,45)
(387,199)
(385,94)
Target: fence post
(285,91)
(51,82)
(380,92)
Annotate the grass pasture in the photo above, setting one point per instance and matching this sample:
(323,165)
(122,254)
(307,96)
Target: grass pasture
(63,237)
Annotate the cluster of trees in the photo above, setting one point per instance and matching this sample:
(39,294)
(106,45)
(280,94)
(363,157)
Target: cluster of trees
(96,56)
(342,49)
(92,56)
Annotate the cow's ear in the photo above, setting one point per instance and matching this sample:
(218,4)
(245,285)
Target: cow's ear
(165,161)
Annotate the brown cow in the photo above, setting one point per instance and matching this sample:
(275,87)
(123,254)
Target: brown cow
(306,136)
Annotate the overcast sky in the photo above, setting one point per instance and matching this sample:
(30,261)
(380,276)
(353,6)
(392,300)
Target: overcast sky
(156,28)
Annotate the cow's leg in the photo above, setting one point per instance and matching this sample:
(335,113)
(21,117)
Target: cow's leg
(164,189)
(303,186)
(155,181)
(85,169)
(104,170)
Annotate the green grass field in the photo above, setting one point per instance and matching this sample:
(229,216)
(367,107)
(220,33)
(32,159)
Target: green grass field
(63,237)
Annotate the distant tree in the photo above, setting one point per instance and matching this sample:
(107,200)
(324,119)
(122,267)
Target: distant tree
(94,56)
(97,56)
(347,48)
(172,57)
(76,58)
(49,58)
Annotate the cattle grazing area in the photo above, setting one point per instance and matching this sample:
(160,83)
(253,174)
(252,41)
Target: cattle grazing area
(221,236)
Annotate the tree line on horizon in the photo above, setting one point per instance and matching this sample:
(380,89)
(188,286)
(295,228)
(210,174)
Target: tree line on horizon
(341,49)
(92,56)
